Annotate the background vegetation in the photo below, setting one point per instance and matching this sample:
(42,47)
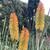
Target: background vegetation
(6,7)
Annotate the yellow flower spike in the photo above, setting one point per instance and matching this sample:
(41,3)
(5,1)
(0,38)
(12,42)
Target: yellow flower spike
(24,38)
(13,26)
(40,17)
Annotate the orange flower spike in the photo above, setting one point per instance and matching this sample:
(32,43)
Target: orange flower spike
(24,38)
(13,26)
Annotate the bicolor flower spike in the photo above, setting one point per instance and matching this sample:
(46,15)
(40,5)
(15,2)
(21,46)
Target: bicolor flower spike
(40,17)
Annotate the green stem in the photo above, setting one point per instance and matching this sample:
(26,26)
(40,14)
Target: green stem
(42,43)
(3,30)
(4,25)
